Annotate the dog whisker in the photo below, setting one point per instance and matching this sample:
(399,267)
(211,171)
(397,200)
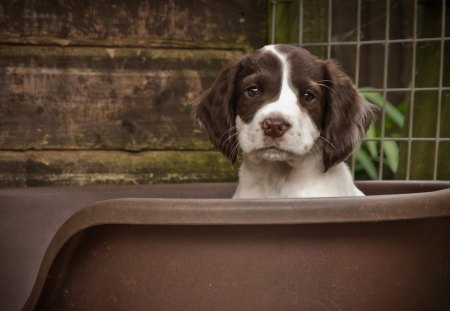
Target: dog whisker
(315,146)
(226,135)
(235,150)
(226,132)
(326,86)
(328,142)
(230,137)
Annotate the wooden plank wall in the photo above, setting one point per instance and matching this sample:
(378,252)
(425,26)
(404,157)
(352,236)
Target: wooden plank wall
(98,92)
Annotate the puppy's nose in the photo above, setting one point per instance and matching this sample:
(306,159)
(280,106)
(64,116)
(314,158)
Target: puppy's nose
(274,128)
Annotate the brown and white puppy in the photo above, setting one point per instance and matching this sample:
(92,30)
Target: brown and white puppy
(295,118)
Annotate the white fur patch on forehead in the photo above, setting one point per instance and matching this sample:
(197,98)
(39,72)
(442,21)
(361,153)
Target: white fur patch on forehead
(286,69)
(281,57)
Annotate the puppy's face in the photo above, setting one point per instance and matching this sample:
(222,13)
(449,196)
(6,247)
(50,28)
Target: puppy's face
(279,103)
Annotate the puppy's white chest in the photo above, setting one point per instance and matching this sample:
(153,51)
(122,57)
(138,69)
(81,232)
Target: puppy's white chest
(296,183)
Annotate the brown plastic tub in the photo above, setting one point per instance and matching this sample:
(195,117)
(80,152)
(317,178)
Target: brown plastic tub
(188,247)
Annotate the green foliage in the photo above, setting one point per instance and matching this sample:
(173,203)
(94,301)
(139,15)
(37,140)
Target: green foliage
(367,158)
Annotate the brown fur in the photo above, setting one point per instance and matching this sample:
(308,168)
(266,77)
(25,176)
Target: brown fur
(347,116)
(216,110)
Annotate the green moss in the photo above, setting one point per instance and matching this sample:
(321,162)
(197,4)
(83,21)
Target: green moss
(38,168)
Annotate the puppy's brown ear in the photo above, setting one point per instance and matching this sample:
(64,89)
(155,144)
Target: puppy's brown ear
(347,116)
(216,111)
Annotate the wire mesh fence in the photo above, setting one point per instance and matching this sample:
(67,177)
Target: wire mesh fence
(398,54)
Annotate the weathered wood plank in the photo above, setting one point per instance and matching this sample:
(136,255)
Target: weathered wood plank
(82,83)
(77,168)
(232,24)
(101,98)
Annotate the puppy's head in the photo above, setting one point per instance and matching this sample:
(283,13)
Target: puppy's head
(279,103)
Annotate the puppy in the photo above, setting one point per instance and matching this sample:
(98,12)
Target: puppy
(295,119)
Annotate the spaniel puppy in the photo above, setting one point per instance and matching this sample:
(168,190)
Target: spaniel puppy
(294,117)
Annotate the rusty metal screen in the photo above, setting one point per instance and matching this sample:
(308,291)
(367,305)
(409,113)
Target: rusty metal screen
(397,53)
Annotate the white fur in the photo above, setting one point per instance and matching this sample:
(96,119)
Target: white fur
(304,179)
(294,169)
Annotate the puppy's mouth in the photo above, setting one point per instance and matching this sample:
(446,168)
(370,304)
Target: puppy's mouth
(271,149)
(274,153)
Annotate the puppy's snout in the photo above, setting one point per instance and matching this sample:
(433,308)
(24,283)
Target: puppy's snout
(274,127)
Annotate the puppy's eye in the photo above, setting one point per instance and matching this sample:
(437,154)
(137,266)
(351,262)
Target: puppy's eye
(307,97)
(253,91)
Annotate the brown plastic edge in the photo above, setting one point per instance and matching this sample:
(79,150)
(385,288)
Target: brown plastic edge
(242,212)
